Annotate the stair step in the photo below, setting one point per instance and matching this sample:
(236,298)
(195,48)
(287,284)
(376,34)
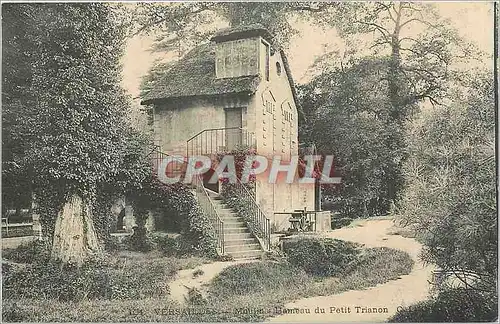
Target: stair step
(221,211)
(224,210)
(233,223)
(229,215)
(235,230)
(233,220)
(237,236)
(253,254)
(242,247)
(245,241)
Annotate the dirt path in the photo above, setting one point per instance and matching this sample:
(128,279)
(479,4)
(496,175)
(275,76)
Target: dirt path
(385,298)
(186,279)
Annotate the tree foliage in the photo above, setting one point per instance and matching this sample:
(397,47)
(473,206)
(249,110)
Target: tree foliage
(182,25)
(348,115)
(400,55)
(451,197)
(64,126)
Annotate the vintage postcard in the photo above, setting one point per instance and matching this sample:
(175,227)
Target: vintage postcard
(249,161)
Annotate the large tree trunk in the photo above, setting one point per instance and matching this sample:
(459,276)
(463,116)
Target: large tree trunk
(75,239)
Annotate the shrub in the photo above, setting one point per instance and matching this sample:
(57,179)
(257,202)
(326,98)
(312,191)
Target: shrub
(139,240)
(380,264)
(322,257)
(128,275)
(11,312)
(169,246)
(201,235)
(454,305)
(340,222)
(255,278)
(178,246)
(52,280)
(451,195)
(34,251)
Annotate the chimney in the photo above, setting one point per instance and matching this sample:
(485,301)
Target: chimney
(241,51)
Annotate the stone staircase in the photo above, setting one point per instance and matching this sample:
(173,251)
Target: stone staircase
(238,241)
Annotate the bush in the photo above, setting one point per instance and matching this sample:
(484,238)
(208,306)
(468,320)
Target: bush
(201,235)
(451,196)
(139,241)
(177,246)
(34,251)
(52,280)
(128,275)
(256,277)
(322,257)
(454,305)
(340,222)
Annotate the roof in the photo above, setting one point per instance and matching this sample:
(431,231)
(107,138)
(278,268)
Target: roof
(244,31)
(194,75)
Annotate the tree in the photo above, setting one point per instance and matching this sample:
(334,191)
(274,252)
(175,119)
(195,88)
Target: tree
(451,198)
(419,52)
(347,111)
(180,25)
(67,109)
(421,47)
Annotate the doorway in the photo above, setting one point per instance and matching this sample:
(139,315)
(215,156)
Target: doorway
(233,124)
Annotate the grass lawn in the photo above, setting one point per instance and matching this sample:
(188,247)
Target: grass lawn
(253,292)
(246,292)
(137,287)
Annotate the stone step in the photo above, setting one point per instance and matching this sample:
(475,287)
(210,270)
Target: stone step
(225,212)
(242,255)
(245,241)
(234,224)
(242,247)
(233,221)
(237,236)
(231,216)
(235,230)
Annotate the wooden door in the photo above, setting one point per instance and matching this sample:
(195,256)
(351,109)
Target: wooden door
(233,128)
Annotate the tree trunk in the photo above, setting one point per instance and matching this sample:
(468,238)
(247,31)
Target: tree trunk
(75,239)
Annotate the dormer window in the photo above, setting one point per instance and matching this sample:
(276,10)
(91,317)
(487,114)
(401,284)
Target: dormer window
(236,58)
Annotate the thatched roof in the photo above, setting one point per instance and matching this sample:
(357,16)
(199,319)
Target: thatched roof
(244,31)
(194,75)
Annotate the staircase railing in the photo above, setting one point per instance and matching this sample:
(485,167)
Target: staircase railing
(260,225)
(208,208)
(175,167)
(215,140)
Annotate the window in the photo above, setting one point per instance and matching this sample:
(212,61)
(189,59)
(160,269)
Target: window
(278,68)
(266,49)
(269,106)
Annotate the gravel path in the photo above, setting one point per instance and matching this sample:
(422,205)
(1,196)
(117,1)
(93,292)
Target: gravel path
(186,279)
(360,305)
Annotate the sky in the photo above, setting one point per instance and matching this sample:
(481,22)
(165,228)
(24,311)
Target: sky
(473,20)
